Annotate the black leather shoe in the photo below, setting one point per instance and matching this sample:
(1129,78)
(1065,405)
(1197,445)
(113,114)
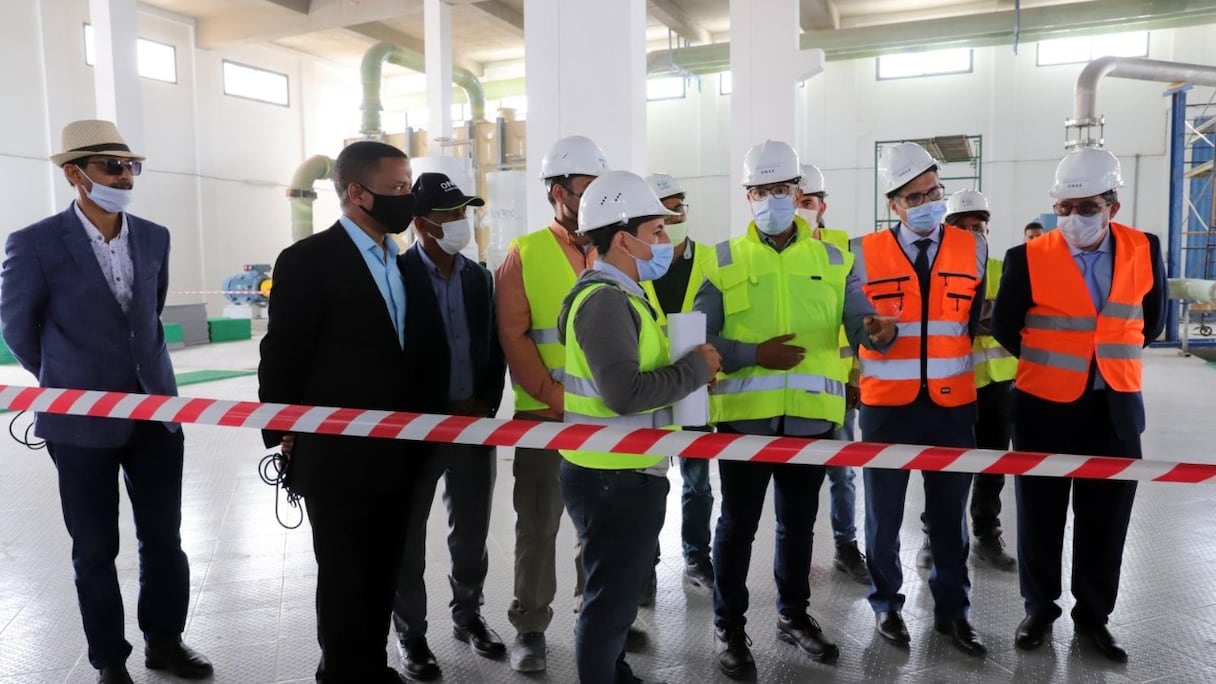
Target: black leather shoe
(962,635)
(734,653)
(1032,632)
(699,574)
(991,550)
(805,633)
(485,641)
(417,660)
(179,659)
(852,562)
(890,626)
(1101,639)
(114,674)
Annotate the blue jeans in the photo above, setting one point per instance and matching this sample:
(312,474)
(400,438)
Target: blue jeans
(617,515)
(841,491)
(696,505)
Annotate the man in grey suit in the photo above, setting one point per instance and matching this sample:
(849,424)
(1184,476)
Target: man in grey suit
(81,294)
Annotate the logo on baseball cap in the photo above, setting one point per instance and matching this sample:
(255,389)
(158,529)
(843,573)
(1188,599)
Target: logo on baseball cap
(436,192)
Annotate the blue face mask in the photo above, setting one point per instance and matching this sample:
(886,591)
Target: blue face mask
(660,260)
(774,214)
(111,200)
(926,218)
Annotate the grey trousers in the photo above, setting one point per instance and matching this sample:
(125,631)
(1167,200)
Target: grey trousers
(468,473)
(538,514)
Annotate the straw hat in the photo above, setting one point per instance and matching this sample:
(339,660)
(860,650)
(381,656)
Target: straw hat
(92,137)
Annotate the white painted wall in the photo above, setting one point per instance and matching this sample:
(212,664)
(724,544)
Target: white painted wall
(1018,108)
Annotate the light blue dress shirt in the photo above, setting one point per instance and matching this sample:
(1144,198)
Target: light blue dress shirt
(449,293)
(1097,270)
(908,239)
(383,268)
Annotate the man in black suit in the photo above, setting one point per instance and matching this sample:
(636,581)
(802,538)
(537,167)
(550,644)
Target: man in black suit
(458,366)
(1076,307)
(336,338)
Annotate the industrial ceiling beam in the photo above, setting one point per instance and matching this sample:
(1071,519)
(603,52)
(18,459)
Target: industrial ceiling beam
(820,15)
(381,33)
(282,18)
(301,6)
(502,12)
(674,17)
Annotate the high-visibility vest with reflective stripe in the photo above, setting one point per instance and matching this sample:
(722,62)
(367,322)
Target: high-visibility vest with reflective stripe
(547,279)
(992,362)
(1064,333)
(585,404)
(840,239)
(766,293)
(933,347)
(703,261)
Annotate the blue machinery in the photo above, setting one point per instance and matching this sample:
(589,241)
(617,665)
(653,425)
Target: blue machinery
(250,287)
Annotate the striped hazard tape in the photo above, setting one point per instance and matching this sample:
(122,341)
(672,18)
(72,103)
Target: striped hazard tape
(540,435)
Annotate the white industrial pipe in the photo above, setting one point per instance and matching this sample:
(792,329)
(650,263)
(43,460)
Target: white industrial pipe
(1085,97)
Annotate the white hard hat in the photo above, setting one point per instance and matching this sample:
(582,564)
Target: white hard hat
(770,162)
(812,180)
(901,164)
(664,185)
(967,201)
(615,197)
(1087,172)
(574,155)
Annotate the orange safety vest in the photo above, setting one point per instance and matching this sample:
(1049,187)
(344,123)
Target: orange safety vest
(1064,334)
(933,347)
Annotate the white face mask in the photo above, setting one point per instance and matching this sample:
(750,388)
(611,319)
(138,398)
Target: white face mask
(811,216)
(678,232)
(456,236)
(1083,231)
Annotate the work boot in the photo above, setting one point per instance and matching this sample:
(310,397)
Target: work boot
(991,549)
(852,562)
(734,655)
(924,557)
(528,652)
(699,574)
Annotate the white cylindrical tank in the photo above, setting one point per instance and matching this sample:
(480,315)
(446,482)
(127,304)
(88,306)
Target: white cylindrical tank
(507,211)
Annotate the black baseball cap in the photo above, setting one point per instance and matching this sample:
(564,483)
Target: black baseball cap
(436,192)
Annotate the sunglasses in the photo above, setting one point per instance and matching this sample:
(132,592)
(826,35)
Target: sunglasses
(1082,208)
(116,167)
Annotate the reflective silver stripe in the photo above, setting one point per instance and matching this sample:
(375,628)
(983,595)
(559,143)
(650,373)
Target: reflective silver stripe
(662,418)
(990,354)
(1068,362)
(545,336)
(1131,312)
(581,387)
(935,328)
(846,353)
(558,374)
(805,382)
(1069,323)
(859,259)
(835,257)
(724,255)
(909,369)
(981,256)
(1131,352)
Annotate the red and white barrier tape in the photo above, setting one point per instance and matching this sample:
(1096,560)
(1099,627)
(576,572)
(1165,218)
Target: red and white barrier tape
(539,435)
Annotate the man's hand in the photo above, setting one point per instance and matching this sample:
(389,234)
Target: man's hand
(712,359)
(286,444)
(881,328)
(852,397)
(775,354)
(471,407)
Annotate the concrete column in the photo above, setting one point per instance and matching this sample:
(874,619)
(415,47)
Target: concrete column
(766,67)
(116,69)
(585,64)
(437,20)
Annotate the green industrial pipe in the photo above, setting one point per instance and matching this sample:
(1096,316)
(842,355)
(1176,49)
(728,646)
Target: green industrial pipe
(302,195)
(372,68)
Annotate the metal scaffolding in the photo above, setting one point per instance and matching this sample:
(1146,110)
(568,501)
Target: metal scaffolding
(1191,251)
(961,166)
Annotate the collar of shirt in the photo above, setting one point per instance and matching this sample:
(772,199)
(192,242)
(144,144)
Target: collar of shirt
(457,263)
(92,230)
(1103,247)
(771,241)
(908,238)
(365,243)
(627,284)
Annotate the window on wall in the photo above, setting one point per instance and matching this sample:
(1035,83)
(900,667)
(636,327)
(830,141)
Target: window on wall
(157,61)
(253,83)
(725,83)
(1086,48)
(931,63)
(669,88)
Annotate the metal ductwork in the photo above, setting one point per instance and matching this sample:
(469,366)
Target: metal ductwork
(1085,98)
(372,67)
(302,195)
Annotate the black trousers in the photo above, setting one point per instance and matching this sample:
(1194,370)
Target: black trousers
(1101,508)
(993,428)
(358,538)
(151,466)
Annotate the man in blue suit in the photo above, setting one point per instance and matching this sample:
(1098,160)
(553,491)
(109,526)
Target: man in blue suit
(80,300)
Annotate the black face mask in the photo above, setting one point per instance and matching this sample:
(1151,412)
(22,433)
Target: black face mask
(394,212)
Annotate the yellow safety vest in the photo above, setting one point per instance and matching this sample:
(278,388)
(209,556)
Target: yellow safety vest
(992,363)
(840,239)
(764,294)
(703,261)
(547,279)
(585,404)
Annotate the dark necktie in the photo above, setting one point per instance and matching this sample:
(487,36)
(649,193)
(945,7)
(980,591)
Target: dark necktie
(922,264)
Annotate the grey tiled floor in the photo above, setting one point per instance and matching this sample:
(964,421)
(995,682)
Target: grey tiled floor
(252,581)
